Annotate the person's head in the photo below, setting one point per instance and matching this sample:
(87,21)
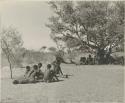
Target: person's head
(39,65)
(90,56)
(48,66)
(35,67)
(58,59)
(28,68)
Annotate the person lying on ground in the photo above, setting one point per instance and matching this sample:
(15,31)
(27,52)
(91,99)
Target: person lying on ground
(23,80)
(30,79)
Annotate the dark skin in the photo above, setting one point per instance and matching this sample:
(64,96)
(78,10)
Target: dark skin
(57,67)
(39,65)
(50,75)
(27,70)
(40,73)
(47,74)
(35,68)
(30,79)
(31,73)
(53,75)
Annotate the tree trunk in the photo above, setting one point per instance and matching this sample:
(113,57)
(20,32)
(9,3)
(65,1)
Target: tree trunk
(10,65)
(100,56)
(11,72)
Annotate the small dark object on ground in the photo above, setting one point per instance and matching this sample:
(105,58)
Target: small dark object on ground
(15,82)
(66,76)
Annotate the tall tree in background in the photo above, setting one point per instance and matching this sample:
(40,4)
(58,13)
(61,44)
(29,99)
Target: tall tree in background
(10,42)
(93,25)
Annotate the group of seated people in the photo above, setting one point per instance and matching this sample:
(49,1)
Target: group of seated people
(87,61)
(35,74)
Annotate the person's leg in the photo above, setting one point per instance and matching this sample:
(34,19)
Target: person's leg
(32,81)
(25,81)
(56,77)
(48,81)
(60,71)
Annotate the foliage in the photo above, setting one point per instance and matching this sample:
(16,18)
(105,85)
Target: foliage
(10,42)
(12,38)
(91,24)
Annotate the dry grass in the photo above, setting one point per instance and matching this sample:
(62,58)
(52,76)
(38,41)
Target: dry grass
(86,84)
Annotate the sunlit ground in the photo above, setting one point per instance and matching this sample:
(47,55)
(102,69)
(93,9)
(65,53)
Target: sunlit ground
(102,84)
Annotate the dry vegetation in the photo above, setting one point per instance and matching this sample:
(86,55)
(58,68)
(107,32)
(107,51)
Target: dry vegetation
(102,83)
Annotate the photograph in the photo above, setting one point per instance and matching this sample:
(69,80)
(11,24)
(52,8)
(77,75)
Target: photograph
(62,51)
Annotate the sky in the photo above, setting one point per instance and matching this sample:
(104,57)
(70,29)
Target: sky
(29,17)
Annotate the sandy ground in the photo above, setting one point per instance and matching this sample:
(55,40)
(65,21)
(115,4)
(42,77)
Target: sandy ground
(87,84)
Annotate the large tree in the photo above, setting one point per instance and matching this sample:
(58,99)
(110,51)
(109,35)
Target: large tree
(10,42)
(92,25)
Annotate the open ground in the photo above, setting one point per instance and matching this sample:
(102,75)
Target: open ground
(95,83)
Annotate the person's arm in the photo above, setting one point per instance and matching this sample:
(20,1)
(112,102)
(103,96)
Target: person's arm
(31,73)
(25,74)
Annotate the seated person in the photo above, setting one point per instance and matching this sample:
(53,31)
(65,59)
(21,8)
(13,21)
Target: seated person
(83,60)
(90,60)
(27,71)
(39,66)
(34,73)
(31,78)
(53,76)
(49,74)
(23,80)
(40,74)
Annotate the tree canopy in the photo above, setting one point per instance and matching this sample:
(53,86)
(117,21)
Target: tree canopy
(88,24)
(11,41)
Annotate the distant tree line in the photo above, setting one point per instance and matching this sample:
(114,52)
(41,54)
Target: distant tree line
(15,55)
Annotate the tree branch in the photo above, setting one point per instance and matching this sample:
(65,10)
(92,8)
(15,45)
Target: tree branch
(8,49)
